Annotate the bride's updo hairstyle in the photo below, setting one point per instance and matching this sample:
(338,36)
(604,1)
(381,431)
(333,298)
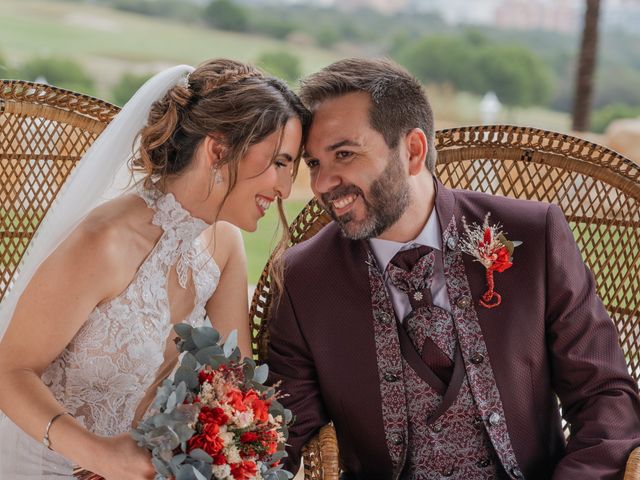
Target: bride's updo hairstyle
(233,102)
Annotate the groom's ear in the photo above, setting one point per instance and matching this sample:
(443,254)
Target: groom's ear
(213,148)
(416,147)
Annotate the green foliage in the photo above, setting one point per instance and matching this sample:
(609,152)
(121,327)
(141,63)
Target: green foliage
(276,27)
(128,84)
(601,118)
(5,69)
(281,64)
(327,36)
(60,72)
(516,75)
(475,64)
(226,15)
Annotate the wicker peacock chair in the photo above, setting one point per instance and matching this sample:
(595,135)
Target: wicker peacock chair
(598,190)
(43,133)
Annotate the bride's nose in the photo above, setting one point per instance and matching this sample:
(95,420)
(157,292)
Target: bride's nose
(283,187)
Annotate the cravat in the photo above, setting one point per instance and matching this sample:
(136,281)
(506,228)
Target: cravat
(410,271)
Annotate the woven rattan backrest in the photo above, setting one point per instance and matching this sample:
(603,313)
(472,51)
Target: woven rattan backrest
(43,133)
(598,190)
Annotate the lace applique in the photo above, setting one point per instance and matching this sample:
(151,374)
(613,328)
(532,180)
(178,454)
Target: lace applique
(104,372)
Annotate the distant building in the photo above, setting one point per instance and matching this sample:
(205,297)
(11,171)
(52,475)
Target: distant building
(383,6)
(556,15)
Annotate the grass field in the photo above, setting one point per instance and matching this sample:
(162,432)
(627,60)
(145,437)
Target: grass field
(260,243)
(110,43)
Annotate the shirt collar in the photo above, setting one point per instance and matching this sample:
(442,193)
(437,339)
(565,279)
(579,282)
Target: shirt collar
(430,236)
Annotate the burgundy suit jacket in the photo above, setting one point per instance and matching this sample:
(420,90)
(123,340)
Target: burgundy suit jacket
(550,336)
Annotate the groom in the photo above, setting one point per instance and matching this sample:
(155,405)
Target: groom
(387,326)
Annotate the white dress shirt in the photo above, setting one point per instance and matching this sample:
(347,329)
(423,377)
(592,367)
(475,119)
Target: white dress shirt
(430,236)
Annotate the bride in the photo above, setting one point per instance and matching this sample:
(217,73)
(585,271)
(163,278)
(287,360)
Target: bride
(89,333)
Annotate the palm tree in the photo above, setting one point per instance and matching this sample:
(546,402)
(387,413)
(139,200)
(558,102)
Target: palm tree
(586,67)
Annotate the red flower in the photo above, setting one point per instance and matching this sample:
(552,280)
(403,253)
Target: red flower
(244,470)
(219,459)
(235,399)
(487,236)
(501,263)
(249,437)
(213,415)
(260,410)
(205,376)
(195,442)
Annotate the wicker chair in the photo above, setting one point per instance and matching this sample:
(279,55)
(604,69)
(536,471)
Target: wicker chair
(598,190)
(44,131)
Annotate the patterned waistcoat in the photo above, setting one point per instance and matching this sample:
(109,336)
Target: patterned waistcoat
(435,430)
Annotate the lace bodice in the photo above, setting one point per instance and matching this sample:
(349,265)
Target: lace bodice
(103,374)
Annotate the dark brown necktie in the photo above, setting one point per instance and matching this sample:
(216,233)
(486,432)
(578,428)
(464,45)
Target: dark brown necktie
(410,271)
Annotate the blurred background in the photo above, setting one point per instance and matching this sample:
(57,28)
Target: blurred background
(565,65)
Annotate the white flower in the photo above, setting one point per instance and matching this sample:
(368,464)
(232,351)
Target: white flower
(243,419)
(226,437)
(233,454)
(221,471)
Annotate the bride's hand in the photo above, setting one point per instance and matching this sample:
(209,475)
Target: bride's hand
(121,458)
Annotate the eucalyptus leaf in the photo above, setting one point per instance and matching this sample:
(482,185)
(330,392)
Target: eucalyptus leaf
(183,330)
(230,343)
(205,337)
(189,361)
(288,416)
(181,392)
(171,403)
(206,355)
(184,432)
(261,373)
(187,376)
(160,467)
(178,459)
(201,455)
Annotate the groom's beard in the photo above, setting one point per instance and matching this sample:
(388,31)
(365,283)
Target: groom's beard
(388,199)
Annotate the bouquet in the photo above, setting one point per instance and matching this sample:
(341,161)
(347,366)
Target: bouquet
(215,419)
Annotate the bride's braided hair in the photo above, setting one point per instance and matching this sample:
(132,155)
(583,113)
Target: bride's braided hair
(233,101)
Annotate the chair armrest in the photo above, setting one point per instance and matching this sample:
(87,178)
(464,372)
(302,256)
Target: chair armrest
(632,471)
(320,456)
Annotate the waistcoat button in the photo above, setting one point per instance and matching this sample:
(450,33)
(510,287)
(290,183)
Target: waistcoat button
(397,440)
(477,422)
(384,317)
(483,462)
(436,428)
(391,377)
(451,243)
(477,358)
(463,302)
(447,472)
(494,419)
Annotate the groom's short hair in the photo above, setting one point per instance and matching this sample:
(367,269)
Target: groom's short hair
(398,101)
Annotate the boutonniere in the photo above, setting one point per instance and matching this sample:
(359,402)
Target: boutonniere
(489,246)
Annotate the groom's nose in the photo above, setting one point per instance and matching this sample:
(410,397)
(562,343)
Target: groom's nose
(323,180)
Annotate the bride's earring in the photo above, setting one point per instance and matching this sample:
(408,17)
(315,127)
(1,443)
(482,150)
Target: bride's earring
(216,176)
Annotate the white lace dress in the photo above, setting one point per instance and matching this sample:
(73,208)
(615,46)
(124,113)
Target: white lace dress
(118,355)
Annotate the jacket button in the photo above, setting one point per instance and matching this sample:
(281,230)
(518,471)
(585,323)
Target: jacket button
(436,428)
(447,472)
(463,302)
(477,358)
(516,473)
(494,419)
(397,440)
(483,463)
(391,377)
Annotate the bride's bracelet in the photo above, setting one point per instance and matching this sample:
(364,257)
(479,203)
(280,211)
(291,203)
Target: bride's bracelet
(45,439)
